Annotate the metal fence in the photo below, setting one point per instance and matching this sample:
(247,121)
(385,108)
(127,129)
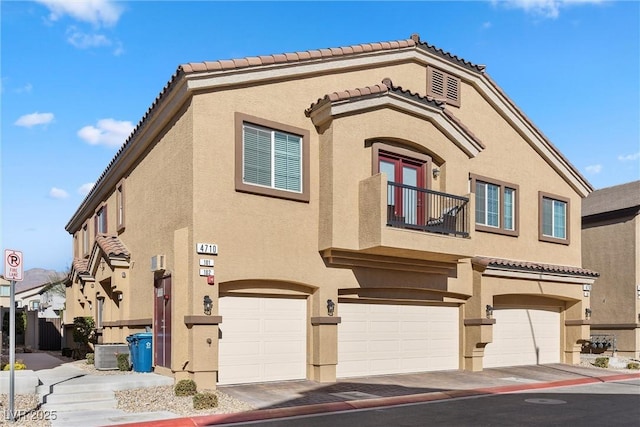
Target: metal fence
(427,210)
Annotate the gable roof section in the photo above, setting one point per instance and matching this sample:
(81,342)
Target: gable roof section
(387,95)
(108,246)
(611,199)
(194,76)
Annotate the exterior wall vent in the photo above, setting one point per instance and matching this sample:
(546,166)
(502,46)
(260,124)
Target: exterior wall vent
(158,263)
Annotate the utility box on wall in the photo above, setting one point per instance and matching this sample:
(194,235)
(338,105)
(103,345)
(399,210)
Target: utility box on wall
(105,357)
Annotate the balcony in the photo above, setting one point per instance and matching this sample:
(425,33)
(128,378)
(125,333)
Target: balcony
(427,210)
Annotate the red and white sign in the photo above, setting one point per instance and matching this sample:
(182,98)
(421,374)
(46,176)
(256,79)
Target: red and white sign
(13,268)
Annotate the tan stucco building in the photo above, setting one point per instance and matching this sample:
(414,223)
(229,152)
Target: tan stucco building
(611,245)
(370,209)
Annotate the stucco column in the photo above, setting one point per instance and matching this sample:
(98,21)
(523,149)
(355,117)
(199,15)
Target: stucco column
(577,329)
(478,329)
(322,350)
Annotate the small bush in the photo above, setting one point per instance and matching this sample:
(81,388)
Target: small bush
(18,366)
(633,365)
(602,362)
(205,400)
(90,360)
(123,361)
(185,388)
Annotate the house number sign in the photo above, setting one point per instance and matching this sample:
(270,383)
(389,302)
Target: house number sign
(207,248)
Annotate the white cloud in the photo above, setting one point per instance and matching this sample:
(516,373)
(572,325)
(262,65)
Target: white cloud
(82,40)
(109,132)
(594,169)
(486,25)
(629,157)
(96,12)
(85,188)
(25,89)
(544,8)
(58,193)
(33,119)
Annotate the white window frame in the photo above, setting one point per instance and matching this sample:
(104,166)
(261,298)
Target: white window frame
(273,159)
(302,194)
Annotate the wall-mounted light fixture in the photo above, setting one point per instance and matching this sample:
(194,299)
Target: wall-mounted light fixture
(120,297)
(208,304)
(331,307)
(587,313)
(489,311)
(124,275)
(435,172)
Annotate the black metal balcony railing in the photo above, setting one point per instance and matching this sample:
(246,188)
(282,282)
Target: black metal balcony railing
(427,210)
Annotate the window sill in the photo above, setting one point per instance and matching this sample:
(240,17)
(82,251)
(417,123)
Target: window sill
(486,229)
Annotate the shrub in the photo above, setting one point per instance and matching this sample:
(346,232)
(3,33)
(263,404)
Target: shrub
(83,329)
(123,361)
(633,365)
(18,366)
(602,362)
(185,388)
(205,400)
(90,360)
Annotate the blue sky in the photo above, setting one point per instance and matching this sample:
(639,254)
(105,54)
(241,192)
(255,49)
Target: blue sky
(77,76)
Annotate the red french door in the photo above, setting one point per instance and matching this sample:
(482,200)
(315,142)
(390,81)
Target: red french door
(405,176)
(162,322)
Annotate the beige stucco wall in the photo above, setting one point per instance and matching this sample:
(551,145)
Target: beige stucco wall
(182,191)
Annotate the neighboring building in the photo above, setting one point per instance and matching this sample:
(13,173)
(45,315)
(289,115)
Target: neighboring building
(5,292)
(392,183)
(611,245)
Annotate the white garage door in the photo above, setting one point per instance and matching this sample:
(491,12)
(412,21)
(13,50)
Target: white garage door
(523,337)
(262,339)
(376,339)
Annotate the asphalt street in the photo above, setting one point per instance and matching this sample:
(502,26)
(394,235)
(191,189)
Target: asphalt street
(601,404)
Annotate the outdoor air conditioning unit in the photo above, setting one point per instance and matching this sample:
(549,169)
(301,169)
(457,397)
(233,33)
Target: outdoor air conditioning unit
(106,355)
(158,263)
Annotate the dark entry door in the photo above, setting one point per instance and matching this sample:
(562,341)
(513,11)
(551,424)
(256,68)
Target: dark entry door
(406,178)
(162,322)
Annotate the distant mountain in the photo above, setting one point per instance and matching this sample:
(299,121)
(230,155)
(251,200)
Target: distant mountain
(35,277)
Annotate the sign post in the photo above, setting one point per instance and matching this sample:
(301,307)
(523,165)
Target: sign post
(13,269)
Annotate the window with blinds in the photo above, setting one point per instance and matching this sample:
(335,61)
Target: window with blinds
(443,86)
(272,158)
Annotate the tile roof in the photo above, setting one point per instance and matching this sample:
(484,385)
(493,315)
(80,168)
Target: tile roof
(112,246)
(308,55)
(532,266)
(371,91)
(81,266)
(383,89)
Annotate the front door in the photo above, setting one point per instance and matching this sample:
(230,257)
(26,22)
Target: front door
(162,322)
(405,176)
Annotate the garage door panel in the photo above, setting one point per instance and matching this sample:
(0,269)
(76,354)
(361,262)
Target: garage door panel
(397,339)
(524,337)
(263,339)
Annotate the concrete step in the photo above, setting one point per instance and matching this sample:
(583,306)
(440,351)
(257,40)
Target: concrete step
(78,397)
(107,417)
(87,405)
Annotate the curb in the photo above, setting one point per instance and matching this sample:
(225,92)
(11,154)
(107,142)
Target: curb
(320,408)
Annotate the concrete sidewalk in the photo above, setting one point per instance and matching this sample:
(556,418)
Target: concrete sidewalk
(295,398)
